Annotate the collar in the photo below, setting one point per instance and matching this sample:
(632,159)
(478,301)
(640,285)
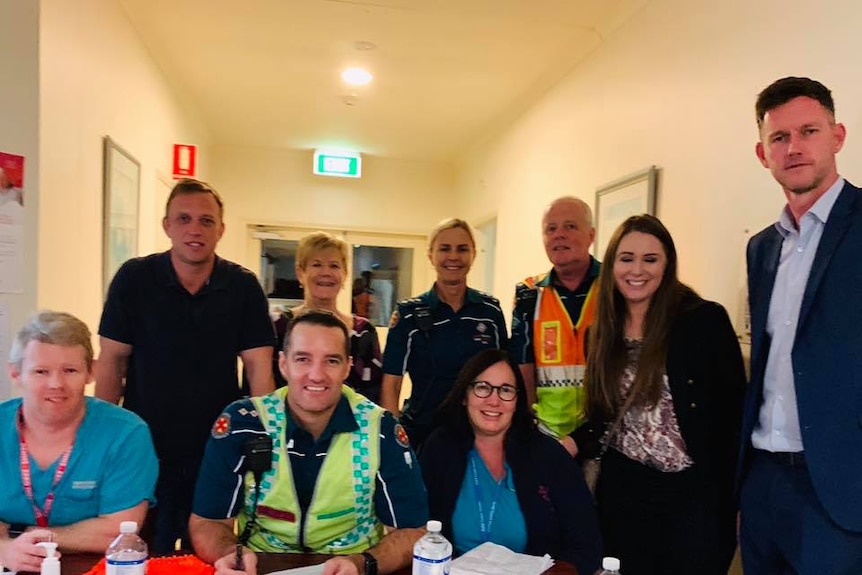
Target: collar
(820,210)
(341,421)
(217,279)
(471,296)
(592,273)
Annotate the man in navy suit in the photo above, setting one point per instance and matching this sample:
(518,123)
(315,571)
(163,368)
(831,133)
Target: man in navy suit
(801,482)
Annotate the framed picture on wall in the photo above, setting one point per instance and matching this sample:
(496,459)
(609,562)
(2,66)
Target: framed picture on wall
(634,194)
(122,183)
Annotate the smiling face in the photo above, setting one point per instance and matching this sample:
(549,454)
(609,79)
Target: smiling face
(567,234)
(798,143)
(639,267)
(452,254)
(194,225)
(315,365)
(52,378)
(491,415)
(323,275)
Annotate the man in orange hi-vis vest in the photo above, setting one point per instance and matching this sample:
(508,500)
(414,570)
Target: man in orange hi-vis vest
(551,315)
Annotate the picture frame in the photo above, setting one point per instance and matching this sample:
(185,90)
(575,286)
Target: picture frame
(121,186)
(628,196)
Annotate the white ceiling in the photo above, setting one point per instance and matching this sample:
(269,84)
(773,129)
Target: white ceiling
(266,73)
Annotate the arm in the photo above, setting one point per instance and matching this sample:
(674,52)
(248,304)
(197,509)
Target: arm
(94,535)
(390,393)
(394,552)
(528,372)
(111,369)
(258,365)
(214,540)
(22,553)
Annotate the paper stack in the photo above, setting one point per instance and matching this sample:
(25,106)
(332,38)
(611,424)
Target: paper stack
(492,559)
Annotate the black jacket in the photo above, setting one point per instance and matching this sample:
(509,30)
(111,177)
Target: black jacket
(558,509)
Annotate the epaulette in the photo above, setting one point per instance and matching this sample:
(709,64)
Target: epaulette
(488,297)
(410,302)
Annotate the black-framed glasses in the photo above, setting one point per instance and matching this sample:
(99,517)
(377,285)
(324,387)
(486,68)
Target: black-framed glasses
(483,389)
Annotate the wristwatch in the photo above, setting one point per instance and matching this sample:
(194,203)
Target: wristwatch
(370,563)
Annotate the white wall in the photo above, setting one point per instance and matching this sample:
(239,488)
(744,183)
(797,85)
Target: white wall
(675,88)
(19,135)
(98,79)
(277,187)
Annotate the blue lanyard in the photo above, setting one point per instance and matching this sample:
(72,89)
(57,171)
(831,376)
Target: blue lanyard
(485,530)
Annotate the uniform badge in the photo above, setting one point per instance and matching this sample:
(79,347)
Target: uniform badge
(393,319)
(481,327)
(401,436)
(221,427)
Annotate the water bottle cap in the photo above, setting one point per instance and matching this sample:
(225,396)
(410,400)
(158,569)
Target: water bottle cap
(611,564)
(129,527)
(50,548)
(434,526)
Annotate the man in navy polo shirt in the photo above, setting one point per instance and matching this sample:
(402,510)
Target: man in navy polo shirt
(173,325)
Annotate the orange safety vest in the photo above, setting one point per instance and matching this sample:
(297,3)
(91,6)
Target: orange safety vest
(558,347)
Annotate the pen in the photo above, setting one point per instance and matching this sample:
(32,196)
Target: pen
(238,561)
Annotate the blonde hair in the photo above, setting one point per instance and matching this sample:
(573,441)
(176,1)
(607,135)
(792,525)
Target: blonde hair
(449,224)
(53,327)
(319,241)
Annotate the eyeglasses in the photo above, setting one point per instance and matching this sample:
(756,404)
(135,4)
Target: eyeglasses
(483,389)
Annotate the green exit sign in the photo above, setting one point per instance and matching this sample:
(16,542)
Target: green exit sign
(341,164)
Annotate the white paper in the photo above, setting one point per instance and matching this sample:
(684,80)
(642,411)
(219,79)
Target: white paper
(5,348)
(310,570)
(11,248)
(492,559)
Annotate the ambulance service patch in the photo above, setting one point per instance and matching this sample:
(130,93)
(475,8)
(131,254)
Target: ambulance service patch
(401,436)
(221,427)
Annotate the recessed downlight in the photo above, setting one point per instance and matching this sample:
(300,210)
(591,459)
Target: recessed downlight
(357,76)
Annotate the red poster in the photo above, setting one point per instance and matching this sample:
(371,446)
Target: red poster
(185,157)
(11,178)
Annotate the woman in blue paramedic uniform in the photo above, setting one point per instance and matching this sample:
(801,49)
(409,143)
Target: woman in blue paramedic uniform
(433,335)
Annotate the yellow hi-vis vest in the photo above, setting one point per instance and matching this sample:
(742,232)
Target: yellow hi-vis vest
(558,347)
(340,518)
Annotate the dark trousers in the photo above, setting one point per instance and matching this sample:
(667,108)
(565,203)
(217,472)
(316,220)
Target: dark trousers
(784,530)
(169,519)
(662,523)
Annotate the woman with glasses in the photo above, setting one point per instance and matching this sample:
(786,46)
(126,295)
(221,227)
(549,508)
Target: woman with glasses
(492,476)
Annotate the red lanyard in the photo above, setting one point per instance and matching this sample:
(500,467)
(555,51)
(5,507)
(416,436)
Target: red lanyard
(41,513)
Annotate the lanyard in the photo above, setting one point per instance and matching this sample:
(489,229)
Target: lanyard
(485,530)
(41,513)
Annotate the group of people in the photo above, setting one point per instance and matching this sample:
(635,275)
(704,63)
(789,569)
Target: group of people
(619,363)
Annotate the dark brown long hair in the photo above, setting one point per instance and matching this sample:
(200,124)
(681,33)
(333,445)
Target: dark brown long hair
(607,356)
(452,411)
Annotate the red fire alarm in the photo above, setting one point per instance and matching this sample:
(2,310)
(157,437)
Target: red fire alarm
(185,157)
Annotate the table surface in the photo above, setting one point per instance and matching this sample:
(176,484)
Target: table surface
(79,563)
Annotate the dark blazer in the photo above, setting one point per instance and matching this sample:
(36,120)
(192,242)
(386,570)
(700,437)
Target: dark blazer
(557,506)
(826,356)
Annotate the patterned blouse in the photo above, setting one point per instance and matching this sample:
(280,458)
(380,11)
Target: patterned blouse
(650,434)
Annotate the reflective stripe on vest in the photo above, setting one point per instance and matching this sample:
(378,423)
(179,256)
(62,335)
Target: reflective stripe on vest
(340,518)
(558,347)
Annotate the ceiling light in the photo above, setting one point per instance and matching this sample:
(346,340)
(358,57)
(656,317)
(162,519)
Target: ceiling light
(356,76)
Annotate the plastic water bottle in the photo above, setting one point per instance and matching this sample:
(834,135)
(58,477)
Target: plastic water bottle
(432,554)
(50,564)
(610,566)
(127,554)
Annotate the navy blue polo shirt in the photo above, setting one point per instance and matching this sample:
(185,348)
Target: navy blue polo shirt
(521,346)
(183,367)
(434,356)
(400,499)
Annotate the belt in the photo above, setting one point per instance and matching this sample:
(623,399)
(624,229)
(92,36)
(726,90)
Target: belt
(785,458)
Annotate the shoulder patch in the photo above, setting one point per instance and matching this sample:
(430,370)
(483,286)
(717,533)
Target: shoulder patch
(401,436)
(221,427)
(393,319)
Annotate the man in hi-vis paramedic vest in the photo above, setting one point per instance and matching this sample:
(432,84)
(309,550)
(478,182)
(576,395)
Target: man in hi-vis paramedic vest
(551,315)
(340,468)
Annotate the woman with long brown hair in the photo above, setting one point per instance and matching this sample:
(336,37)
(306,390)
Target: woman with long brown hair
(665,381)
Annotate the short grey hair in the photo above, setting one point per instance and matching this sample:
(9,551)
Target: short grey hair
(588,212)
(54,327)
